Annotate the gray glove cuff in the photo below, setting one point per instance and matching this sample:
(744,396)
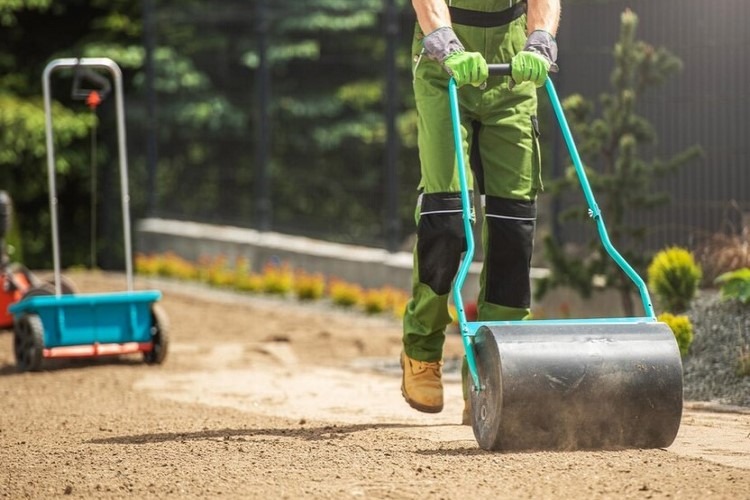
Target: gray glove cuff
(542,43)
(441,43)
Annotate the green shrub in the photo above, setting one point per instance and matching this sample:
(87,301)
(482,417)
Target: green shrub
(375,301)
(174,266)
(735,285)
(309,286)
(219,272)
(345,294)
(147,265)
(278,279)
(249,282)
(674,276)
(682,329)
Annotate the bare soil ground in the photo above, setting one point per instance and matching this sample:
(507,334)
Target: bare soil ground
(264,398)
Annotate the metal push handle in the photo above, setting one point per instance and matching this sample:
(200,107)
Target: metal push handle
(463,271)
(594,211)
(499,69)
(114,70)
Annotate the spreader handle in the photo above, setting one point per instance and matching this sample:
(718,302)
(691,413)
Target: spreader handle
(499,69)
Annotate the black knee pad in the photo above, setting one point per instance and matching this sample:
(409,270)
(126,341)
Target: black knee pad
(510,241)
(440,240)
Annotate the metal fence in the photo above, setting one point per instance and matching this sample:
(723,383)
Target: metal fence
(706,105)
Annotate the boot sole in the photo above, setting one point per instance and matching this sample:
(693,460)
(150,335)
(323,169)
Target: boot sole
(420,407)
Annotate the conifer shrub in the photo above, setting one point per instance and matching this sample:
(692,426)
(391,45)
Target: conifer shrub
(682,329)
(673,276)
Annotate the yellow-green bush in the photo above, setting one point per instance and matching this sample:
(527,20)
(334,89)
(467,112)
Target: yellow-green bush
(277,279)
(673,276)
(345,294)
(375,301)
(174,266)
(399,299)
(248,282)
(169,265)
(309,286)
(218,272)
(682,329)
(147,265)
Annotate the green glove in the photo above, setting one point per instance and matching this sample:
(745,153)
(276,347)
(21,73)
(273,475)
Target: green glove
(530,67)
(536,60)
(467,67)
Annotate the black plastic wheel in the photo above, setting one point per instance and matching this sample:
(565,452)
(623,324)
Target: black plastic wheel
(67,286)
(28,342)
(47,287)
(159,336)
(43,289)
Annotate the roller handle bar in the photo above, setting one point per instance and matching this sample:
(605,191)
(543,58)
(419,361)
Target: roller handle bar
(499,69)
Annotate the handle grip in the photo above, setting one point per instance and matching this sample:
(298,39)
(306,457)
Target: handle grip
(499,69)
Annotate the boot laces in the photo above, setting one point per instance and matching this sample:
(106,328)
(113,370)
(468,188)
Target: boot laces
(423,366)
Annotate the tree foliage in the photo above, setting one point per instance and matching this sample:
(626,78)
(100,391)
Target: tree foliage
(34,32)
(327,62)
(612,146)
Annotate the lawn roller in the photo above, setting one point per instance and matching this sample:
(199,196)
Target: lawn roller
(57,325)
(600,383)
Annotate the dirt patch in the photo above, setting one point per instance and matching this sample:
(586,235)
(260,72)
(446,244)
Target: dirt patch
(268,398)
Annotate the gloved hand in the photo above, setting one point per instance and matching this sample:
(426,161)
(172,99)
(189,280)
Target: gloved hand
(443,46)
(467,67)
(536,60)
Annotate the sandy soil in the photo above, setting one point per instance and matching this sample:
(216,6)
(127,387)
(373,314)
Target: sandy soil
(264,398)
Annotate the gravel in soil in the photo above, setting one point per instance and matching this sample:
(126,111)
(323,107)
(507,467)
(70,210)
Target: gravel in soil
(721,337)
(265,398)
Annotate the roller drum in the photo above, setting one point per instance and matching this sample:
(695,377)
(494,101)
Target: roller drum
(570,386)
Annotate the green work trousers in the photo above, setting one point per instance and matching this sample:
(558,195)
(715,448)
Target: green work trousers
(501,145)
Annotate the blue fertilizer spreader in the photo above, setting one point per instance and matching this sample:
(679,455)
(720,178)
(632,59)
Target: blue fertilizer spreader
(56,325)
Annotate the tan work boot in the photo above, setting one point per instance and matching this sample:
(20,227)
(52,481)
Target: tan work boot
(421,384)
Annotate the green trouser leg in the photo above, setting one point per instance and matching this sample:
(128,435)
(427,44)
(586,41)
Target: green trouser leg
(487,311)
(497,124)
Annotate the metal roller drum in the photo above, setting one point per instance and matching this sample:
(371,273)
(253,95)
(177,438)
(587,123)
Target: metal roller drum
(571,385)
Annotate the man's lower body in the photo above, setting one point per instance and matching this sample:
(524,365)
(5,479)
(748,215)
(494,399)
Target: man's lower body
(501,145)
